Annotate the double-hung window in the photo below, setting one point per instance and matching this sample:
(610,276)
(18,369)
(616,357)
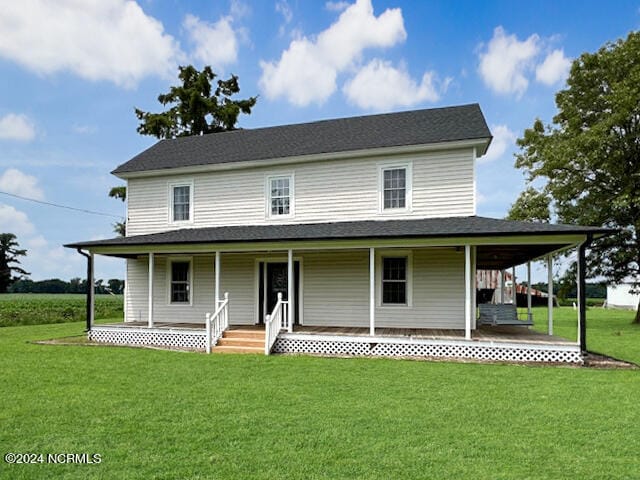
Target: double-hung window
(181,202)
(180,281)
(394,280)
(280,196)
(395,188)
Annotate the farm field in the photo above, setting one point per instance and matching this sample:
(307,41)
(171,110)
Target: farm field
(167,414)
(39,308)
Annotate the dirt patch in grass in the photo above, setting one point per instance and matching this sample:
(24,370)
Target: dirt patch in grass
(597,360)
(84,341)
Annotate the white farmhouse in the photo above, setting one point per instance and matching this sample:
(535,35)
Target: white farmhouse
(347,236)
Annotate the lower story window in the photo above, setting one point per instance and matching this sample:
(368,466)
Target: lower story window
(180,282)
(394,280)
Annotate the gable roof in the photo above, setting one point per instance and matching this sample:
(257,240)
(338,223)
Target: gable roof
(451,227)
(417,127)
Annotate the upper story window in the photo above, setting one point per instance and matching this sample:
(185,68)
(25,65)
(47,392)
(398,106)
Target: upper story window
(280,196)
(395,188)
(181,202)
(180,286)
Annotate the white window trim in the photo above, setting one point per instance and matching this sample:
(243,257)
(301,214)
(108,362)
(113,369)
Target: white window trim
(170,186)
(380,254)
(408,166)
(292,196)
(170,262)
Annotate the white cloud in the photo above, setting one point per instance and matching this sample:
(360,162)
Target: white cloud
(216,44)
(239,9)
(51,261)
(18,183)
(84,129)
(306,71)
(380,86)
(283,8)
(16,127)
(503,139)
(336,6)
(14,221)
(111,40)
(554,69)
(506,61)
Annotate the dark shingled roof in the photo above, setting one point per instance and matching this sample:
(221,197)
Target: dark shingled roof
(374,229)
(418,127)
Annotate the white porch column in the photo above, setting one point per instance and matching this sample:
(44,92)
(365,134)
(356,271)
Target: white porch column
(150,307)
(474,286)
(217,284)
(501,286)
(467,292)
(529,290)
(92,286)
(550,299)
(290,289)
(372,291)
(513,286)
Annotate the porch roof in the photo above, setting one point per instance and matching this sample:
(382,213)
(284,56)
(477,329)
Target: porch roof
(428,228)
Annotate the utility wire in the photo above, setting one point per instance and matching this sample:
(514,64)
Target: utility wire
(91,212)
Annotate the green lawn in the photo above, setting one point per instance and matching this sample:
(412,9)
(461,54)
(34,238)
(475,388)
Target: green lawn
(39,308)
(162,414)
(609,331)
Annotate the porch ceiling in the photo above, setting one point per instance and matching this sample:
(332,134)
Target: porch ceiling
(499,257)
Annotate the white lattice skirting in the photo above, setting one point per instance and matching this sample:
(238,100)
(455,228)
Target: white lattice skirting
(432,349)
(149,337)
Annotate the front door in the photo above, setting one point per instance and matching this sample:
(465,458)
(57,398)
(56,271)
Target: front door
(274,280)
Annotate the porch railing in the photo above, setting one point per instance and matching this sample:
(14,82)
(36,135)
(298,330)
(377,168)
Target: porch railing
(217,322)
(274,323)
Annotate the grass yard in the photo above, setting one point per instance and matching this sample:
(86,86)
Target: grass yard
(167,415)
(608,331)
(39,308)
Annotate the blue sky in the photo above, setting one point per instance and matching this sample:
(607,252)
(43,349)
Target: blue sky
(71,74)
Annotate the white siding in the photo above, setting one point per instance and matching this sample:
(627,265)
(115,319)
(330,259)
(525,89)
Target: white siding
(438,293)
(237,277)
(335,290)
(443,185)
(619,297)
(136,309)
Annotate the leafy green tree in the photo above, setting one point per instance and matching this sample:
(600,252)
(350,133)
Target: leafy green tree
(531,205)
(588,160)
(9,263)
(119,192)
(195,108)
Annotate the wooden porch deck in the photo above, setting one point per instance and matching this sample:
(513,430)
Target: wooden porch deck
(513,334)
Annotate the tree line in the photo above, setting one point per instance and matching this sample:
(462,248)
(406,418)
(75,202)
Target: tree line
(75,285)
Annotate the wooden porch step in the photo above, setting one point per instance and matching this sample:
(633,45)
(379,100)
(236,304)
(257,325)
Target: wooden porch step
(237,349)
(241,342)
(243,333)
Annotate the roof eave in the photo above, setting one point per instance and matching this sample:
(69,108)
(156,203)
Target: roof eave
(481,142)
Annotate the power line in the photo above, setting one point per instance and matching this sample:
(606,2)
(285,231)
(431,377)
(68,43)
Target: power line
(90,212)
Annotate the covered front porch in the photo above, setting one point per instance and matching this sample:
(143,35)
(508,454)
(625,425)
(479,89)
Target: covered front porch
(384,295)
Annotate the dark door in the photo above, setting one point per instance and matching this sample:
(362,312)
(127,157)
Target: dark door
(274,280)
